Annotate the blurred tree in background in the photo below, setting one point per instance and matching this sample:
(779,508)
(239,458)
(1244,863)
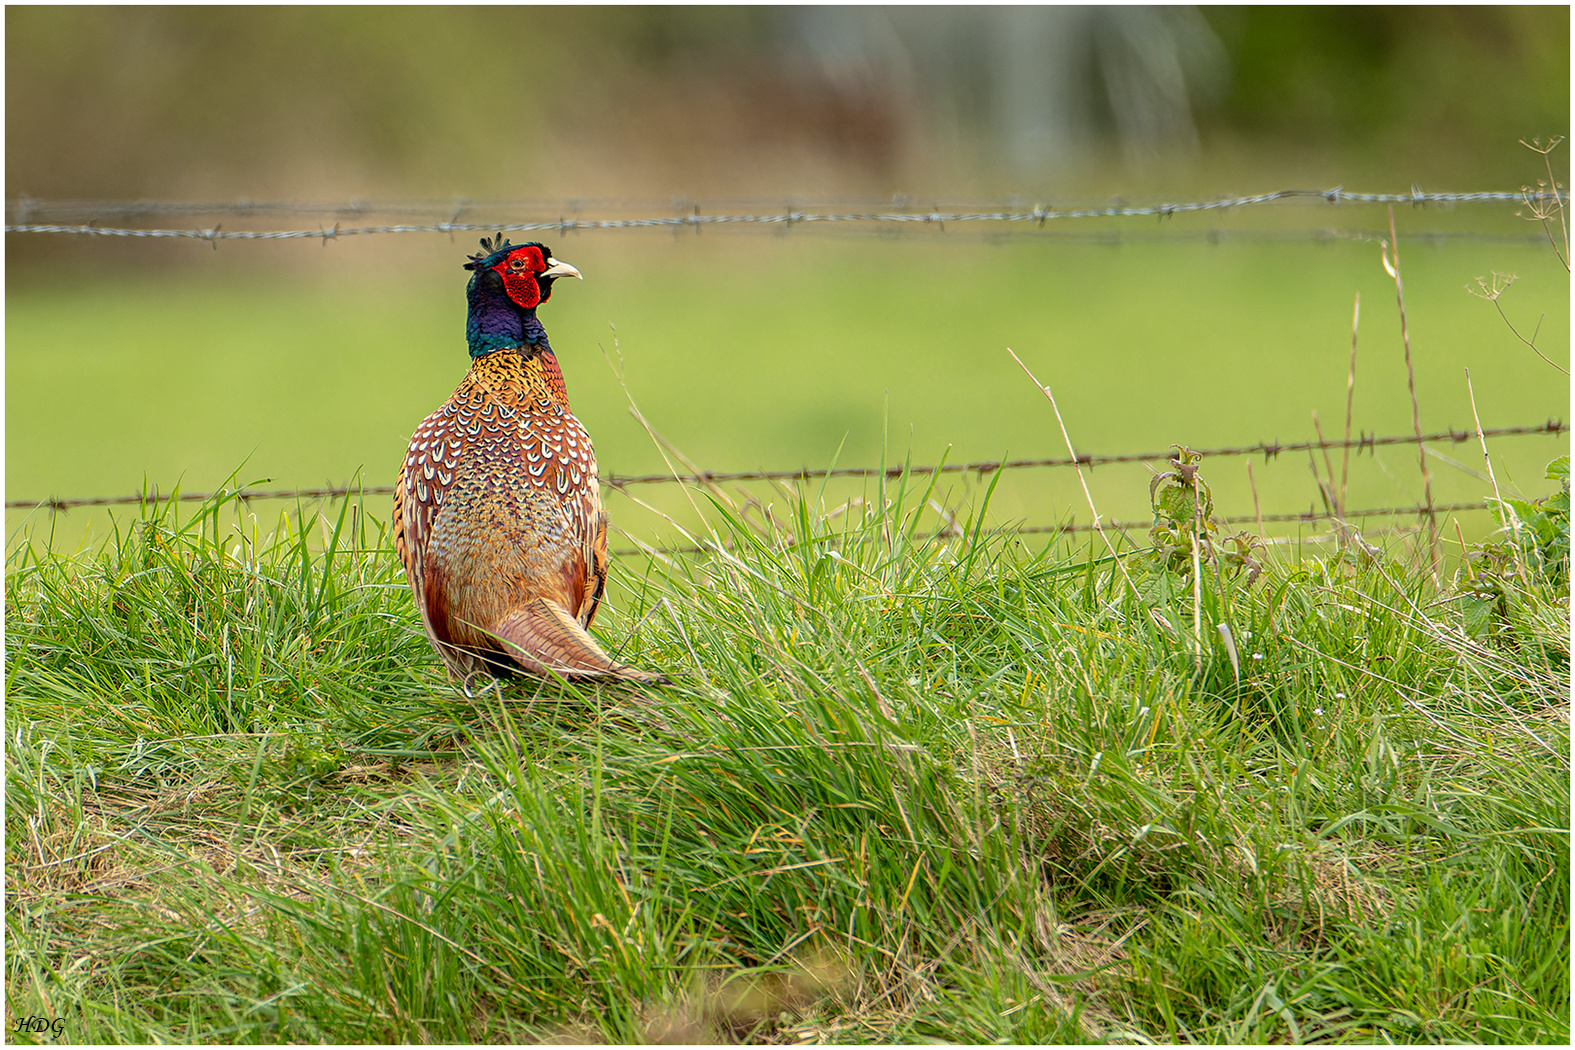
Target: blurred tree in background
(1446,89)
(331,102)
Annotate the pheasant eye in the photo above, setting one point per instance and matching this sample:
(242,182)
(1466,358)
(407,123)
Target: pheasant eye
(516,264)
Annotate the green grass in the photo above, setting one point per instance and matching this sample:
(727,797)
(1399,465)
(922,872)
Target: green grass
(905,787)
(751,351)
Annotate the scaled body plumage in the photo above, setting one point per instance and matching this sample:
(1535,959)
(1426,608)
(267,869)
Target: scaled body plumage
(497,510)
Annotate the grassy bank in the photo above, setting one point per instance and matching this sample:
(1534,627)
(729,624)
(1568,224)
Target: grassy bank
(906,786)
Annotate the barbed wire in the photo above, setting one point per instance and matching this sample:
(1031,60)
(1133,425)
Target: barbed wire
(1303,517)
(1038,215)
(1214,235)
(1269,450)
(24,207)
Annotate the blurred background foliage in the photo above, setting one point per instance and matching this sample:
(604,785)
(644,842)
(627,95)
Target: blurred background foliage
(299,103)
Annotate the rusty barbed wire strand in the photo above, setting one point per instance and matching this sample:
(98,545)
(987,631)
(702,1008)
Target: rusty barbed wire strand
(1038,215)
(1268,450)
(25,208)
(1307,517)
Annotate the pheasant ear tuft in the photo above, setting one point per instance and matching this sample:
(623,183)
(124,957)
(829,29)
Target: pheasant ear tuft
(489,247)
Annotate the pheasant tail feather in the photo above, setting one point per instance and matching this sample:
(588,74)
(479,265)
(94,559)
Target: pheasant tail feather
(543,637)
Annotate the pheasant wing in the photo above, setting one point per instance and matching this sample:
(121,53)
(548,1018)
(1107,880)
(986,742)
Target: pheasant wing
(423,483)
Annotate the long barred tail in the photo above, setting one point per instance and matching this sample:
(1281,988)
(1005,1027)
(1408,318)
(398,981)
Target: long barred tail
(543,638)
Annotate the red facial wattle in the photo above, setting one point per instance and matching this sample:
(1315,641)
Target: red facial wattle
(523,289)
(519,270)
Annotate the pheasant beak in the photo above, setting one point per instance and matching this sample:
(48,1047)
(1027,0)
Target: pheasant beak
(560,269)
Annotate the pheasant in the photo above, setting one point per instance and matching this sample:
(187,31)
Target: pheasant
(497,510)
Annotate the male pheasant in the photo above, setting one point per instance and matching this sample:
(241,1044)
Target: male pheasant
(497,511)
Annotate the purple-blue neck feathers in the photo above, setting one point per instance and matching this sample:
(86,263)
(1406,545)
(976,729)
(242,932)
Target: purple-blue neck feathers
(495,322)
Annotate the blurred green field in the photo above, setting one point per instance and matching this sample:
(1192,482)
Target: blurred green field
(753,350)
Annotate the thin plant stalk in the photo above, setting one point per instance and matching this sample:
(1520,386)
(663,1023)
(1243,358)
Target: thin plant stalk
(1514,519)
(1350,397)
(1257,508)
(1197,579)
(1392,265)
(1540,210)
(1089,496)
(1493,290)
(1328,468)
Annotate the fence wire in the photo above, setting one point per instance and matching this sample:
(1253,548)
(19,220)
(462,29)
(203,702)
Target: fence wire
(28,209)
(1269,450)
(1037,215)
(1070,526)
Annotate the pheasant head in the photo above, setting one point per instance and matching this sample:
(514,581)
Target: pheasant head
(508,283)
